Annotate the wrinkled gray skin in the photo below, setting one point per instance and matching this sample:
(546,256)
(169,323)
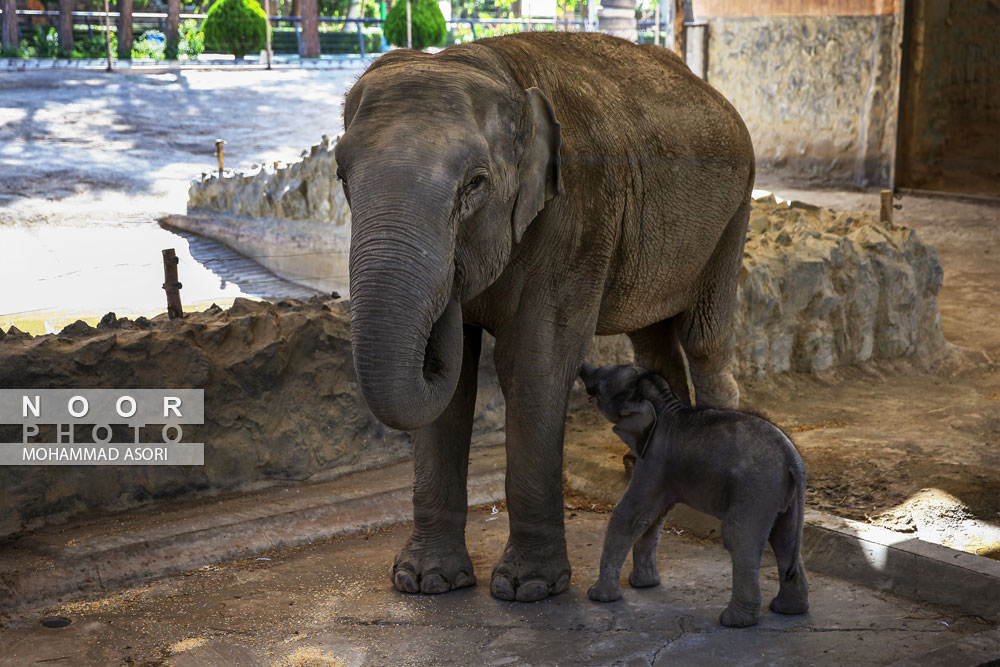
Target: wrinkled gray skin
(544,187)
(738,467)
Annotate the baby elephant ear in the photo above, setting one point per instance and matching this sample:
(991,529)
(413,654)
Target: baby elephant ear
(636,426)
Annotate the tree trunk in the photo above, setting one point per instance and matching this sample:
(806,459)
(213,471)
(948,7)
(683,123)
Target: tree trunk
(617,17)
(10,37)
(296,8)
(310,29)
(125,29)
(173,24)
(353,12)
(66,28)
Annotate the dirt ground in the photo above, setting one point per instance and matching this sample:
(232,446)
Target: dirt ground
(907,447)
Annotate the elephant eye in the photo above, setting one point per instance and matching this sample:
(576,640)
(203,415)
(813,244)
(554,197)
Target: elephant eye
(477,181)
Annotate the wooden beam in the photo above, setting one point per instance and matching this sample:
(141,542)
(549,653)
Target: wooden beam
(680,45)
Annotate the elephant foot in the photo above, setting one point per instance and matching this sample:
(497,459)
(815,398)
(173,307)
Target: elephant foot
(789,605)
(738,616)
(605,591)
(643,578)
(528,576)
(432,570)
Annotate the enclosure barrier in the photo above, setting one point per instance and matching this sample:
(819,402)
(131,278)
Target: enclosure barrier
(478,27)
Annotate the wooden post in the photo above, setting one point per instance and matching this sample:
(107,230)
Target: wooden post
(218,153)
(885,210)
(10,36)
(125,29)
(310,29)
(680,46)
(267,34)
(409,27)
(173,26)
(171,285)
(656,20)
(107,33)
(65,28)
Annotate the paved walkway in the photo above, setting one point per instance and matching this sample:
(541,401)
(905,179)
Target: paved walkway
(331,603)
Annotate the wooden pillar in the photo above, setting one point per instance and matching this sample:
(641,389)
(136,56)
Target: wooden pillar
(125,29)
(310,29)
(885,210)
(9,35)
(173,25)
(680,45)
(171,285)
(617,17)
(66,28)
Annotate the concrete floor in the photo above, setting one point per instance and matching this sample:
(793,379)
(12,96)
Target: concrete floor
(331,603)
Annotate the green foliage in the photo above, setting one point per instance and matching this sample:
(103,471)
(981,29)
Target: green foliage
(94,46)
(11,51)
(192,42)
(41,43)
(236,26)
(151,45)
(483,9)
(427,21)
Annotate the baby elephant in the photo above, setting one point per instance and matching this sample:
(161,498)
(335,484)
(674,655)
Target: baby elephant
(735,466)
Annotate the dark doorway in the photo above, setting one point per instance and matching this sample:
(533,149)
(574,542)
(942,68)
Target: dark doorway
(949,107)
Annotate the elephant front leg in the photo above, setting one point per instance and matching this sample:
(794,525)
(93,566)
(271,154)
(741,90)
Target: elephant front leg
(636,521)
(435,559)
(536,373)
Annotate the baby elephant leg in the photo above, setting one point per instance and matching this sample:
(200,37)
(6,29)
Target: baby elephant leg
(628,521)
(744,537)
(644,570)
(786,540)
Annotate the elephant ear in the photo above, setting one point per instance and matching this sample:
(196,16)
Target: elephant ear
(540,177)
(636,426)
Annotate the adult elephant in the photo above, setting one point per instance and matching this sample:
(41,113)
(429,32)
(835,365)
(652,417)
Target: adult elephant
(544,187)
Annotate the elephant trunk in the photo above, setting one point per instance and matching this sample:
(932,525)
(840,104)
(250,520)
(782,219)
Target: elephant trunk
(406,320)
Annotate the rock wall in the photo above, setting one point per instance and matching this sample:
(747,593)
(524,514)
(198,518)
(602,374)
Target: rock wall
(281,402)
(821,289)
(293,217)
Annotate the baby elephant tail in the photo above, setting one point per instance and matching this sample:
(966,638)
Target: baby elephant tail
(786,540)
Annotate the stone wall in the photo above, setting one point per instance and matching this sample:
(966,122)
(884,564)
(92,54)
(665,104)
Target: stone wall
(818,93)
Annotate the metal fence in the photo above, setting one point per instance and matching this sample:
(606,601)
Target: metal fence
(459,28)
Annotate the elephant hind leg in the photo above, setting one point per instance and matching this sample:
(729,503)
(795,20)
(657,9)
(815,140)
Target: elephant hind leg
(658,349)
(705,329)
(786,541)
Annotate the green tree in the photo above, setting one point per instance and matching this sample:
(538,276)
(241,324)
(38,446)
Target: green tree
(237,26)
(428,25)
